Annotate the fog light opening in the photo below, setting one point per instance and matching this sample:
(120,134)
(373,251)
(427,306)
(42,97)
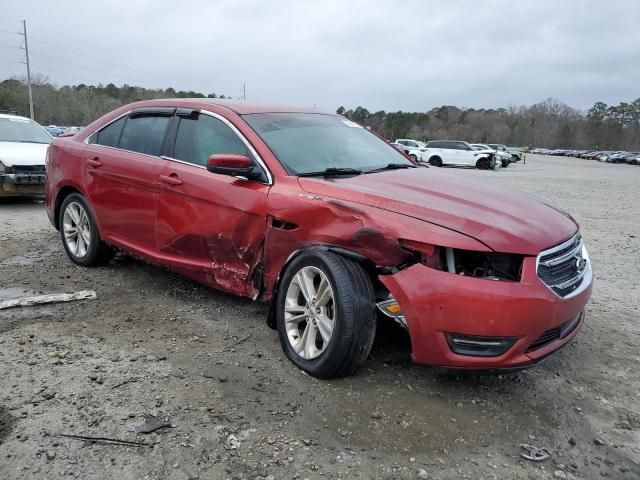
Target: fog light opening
(477,346)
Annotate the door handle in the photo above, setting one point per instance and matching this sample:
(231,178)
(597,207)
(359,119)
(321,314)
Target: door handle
(94,162)
(170,179)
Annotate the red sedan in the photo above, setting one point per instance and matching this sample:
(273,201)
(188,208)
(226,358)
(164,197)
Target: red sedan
(330,224)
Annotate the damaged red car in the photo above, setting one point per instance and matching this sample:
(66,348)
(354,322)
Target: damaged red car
(331,225)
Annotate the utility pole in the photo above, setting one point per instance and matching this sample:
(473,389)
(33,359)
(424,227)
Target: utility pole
(244,90)
(26,50)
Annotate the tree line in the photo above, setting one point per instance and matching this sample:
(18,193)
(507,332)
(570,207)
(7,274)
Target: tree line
(548,124)
(77,105)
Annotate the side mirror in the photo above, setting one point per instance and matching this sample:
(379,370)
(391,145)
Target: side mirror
(232,165)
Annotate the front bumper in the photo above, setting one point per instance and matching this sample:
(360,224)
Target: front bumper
(435,303)
(21,184)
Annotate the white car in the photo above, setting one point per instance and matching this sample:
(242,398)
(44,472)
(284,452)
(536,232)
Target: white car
(502,157)
(410,143)
(23,150)
(455,152)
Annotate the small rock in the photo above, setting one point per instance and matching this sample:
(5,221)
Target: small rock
(597,441)
(422,474)
(560,474)
(51,455)
(572,441)
(376,415)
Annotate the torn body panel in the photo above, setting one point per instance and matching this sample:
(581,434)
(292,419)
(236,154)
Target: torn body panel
(212,227)
(319,220)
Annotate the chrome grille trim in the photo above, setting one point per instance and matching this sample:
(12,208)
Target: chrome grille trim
(554,258)
(565,256)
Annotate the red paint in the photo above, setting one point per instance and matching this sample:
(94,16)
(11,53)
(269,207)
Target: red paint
(218,229)
(235,162)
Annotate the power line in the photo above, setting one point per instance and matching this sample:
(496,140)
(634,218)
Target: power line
(107,62)
(75,52)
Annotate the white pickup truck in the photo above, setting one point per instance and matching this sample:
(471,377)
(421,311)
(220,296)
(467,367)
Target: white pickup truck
(455,152)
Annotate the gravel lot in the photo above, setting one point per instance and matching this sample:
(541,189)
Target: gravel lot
(154,342)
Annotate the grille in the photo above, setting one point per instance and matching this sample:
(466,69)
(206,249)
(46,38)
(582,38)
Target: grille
(563,267)
(555,333)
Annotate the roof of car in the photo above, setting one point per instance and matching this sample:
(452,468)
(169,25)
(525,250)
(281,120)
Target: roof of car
(241,107)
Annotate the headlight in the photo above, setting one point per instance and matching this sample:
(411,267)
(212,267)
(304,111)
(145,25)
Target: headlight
(471,263)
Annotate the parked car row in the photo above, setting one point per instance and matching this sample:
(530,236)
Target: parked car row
(440,153)
(56,131)
(456,152)
(632,158)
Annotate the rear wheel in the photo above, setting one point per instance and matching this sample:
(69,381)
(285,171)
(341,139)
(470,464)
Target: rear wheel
(483,164)
(413,155)
(435,161)
(325,314)
(80,235)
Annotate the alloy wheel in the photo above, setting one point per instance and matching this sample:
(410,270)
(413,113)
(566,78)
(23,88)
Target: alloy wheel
(76,229)
(309,312)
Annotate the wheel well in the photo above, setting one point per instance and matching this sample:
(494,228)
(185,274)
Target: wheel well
(62,194)
(368,265)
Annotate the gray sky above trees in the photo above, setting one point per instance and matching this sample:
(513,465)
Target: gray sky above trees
(390,55)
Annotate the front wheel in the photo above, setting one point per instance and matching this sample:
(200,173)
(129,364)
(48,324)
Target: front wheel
(325,314)
(435,161)
(413,155)
(483,164)
(80,235)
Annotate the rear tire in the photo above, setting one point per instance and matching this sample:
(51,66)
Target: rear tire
(435,161)
(483,164)
(340,293)
(79,232)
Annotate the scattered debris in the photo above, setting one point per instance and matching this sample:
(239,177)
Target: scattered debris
(533,453)
(51,298)
(151,424)
(233,345)
(106,441)
(125,382)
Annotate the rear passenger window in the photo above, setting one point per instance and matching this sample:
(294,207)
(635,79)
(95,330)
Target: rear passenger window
(199,138)
(110,134)
(144,133)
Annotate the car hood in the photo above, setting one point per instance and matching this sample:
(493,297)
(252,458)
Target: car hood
(504,220)
(16,153)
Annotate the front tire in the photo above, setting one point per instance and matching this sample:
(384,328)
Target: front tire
(435,161)
(483,164)
(325,314)
(79,232)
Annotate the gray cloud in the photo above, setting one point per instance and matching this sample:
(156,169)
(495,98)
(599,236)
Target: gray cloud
(410,55)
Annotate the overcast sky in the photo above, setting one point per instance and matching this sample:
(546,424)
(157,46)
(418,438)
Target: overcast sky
(383,55)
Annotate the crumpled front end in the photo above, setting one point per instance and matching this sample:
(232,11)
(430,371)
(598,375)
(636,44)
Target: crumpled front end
(22,180)
(459,321)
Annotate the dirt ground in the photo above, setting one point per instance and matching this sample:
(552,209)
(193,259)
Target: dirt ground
(154,342)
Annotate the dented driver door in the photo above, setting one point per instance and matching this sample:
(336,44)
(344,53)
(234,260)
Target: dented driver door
(210,227)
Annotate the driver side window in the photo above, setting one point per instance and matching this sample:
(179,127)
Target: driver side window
(199,138)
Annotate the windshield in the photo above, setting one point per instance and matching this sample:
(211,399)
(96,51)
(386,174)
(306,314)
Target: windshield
(311,142)
(22,130)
